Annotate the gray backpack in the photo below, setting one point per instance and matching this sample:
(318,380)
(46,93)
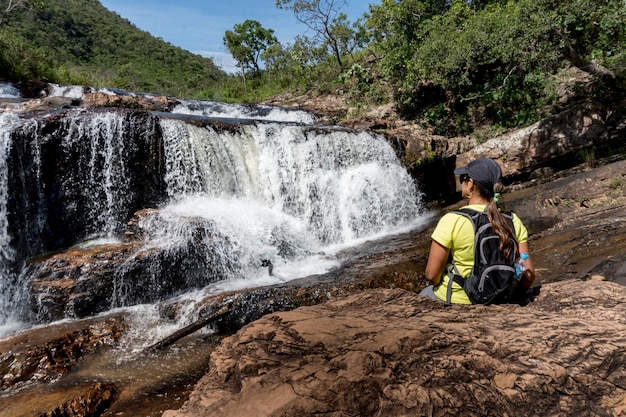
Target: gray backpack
(492,280)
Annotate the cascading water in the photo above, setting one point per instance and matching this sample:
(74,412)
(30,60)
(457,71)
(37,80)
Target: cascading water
(284,191)
(8,91)
(81,165)
(239,111)
(291,193)
(107,179)
(7,253)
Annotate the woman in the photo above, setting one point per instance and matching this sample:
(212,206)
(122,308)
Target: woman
(453,238)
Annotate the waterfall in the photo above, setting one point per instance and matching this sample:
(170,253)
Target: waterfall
(340,185)
(7,253)
(233,195)
(107,179)
(82,165)
(287,193)
(8,91)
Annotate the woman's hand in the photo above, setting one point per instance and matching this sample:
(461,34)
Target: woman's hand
(528,277)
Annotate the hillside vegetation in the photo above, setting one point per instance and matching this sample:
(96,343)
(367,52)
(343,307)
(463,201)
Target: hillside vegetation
(81,42)
(458,67)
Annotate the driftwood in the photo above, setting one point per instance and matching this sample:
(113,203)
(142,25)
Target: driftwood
(187,330)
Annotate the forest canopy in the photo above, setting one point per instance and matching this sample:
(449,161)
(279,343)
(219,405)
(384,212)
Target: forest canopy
(455,65)
(464,63)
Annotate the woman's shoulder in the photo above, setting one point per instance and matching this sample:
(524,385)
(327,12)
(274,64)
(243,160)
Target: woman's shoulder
(454,217)
(475,207)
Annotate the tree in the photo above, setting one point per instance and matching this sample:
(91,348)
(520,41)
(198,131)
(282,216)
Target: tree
(246,42)
(325,19)
(397,29)
(467,49)
(460,63)
(10,5)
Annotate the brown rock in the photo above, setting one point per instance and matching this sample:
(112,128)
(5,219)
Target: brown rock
(47,104)
(42,355)
(550,141)
(85,280)
(394,353)
(89,399)
(100,99)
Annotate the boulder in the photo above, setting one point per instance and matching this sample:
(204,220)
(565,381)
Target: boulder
(581,134)
(144,102)
(391,352)
(560,140)
(88,279)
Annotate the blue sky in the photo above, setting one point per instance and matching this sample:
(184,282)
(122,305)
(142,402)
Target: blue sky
(199,25)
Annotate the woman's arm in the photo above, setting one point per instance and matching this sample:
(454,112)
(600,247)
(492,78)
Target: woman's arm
(436,262)
(529,275)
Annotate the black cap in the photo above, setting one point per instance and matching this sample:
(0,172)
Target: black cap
(485,171)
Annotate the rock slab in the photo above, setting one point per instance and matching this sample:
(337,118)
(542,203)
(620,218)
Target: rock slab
(391,352)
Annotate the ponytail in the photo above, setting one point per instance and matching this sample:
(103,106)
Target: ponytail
(501,227)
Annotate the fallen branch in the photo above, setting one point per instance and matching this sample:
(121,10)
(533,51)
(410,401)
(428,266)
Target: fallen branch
(187,330)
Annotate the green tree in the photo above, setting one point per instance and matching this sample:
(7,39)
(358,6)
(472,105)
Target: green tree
(246,42)
(463,63)
(326,20)
(477,52)
(397,30)
(81,42)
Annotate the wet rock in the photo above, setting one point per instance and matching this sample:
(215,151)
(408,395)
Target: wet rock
(78,282)
(58,198)
(85,280)
(93,401)
(88,399)
(42,355)
(102,99)
(393,353)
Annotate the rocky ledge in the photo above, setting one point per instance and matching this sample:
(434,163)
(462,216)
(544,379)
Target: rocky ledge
(391,352)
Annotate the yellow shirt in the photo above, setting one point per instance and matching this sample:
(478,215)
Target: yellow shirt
(456,232)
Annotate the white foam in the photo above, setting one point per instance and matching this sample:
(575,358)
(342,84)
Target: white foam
(240,111)
(8,91)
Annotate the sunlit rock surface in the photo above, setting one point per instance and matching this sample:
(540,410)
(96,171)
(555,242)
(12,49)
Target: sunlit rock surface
(395,353)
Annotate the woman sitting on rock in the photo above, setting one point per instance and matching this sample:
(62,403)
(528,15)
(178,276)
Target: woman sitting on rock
(453,237)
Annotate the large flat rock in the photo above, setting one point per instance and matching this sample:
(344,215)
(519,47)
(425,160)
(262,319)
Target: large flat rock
(391,352)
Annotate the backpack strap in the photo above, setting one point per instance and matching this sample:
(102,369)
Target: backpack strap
(473,216)
(453,272)
(453,276)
